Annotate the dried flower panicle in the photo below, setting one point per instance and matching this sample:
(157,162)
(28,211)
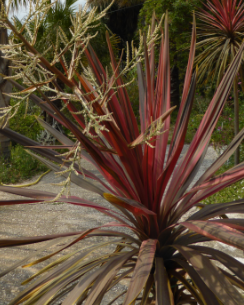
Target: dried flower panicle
(28,68)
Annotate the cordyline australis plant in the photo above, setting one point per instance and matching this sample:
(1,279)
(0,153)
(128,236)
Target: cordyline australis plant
(164,257)
(221,33)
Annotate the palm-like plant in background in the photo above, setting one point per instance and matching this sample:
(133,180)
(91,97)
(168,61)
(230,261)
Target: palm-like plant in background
(221,33)
(150,188)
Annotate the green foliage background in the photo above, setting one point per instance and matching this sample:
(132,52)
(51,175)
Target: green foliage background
(180,21)
(222,136)
(21,165)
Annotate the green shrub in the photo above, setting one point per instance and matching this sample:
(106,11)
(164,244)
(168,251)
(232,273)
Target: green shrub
(24,121)
(21,167)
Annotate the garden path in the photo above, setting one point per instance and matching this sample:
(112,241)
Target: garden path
(42,219)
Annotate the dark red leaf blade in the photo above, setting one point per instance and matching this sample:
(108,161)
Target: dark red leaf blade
(206,293)
(192,290)
(186,89)
(10,242)
(103,281)
(228,261)
(210,211)
(129,115)
(142,270)
(203,134)
(217,231)
(212,276)
(138,210)
(162,103)
(164,293)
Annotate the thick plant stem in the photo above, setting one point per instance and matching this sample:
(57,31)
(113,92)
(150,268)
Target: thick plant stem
(236,118)
(5,87)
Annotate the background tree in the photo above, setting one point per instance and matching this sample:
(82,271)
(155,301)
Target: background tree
(121,18)
(180,18)
(5,87)
(221,32)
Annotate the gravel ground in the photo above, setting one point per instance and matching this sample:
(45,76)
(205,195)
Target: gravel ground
(49,218)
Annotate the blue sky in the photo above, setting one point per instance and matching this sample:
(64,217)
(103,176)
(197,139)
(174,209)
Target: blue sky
(23,11)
